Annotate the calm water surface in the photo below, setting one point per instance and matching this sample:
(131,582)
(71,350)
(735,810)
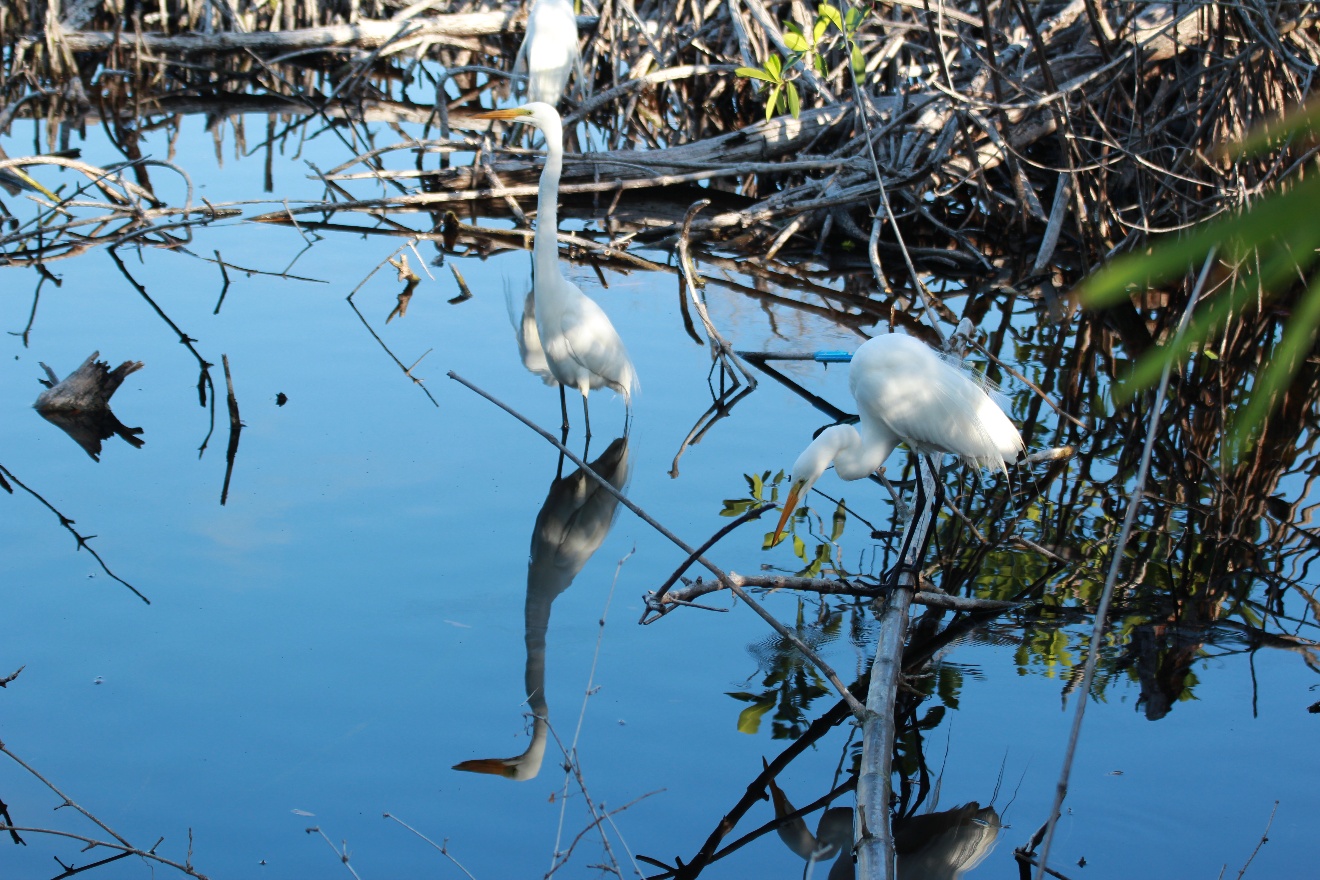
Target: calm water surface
(327,646)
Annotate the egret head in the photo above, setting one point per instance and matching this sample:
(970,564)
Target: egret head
(810,465)
(536,113)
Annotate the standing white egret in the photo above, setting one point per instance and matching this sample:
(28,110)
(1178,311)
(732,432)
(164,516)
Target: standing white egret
(582,348)
(906,392)
(549,50)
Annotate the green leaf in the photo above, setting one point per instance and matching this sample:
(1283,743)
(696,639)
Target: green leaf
(794,104)
(830,14)
(794,38)
(735,508)
(1281,366)
(819,63)
(819,30)
(1298,121)
(840,517)
(1171,257)
(1279,264)
(755,73)
(774,65)
(773,101)
(853,20)
(858,62)
(749,719)
(799,548)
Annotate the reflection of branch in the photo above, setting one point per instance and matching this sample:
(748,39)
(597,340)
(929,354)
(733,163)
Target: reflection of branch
(120,843)
(719,348)
(755,791)
(204,379)
(407,371)
(68,524)
(719,408)
(443,847)
(828,587)
(715,570)
(235,428)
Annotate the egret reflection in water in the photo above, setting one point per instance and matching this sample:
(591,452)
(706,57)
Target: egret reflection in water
(947,844)
(943,845)
(571,526)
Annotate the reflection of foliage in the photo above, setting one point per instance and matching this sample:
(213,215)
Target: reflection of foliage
(790,684)
(1267,248)
(819,561)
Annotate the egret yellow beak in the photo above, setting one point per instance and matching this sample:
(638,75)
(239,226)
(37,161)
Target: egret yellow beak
(511,113)
(790,505)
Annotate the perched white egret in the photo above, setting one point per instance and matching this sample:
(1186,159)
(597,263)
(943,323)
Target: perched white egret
(906,392)
(549,50)
(582,348)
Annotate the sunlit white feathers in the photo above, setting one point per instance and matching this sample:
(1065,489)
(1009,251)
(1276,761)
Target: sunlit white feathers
(906,393)
(582,348)
(549,50)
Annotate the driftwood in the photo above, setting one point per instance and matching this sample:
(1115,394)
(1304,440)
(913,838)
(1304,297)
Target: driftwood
(80,403)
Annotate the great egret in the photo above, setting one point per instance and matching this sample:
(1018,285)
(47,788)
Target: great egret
(549,50)
(582,348)
(906,392)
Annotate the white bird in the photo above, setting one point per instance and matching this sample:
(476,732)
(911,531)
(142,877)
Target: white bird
(529,341)
(906,393)
(549,50)
(582,348)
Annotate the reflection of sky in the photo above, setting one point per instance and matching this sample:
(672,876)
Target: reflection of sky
(301,651)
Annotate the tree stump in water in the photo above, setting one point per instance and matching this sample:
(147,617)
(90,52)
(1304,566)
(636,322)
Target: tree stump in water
(80,404)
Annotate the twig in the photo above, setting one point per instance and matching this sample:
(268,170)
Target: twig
(343,854)
(443,848)
(235,429)
(659,594)
(1264,837)
(68,525)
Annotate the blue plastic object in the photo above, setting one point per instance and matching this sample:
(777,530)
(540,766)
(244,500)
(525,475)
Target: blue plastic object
(833,357)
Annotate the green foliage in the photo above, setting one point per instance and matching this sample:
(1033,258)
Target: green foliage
(818,556)
(803,40)
(1270,245)
(791,684)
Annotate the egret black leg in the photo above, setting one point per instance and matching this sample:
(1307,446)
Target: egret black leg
(586,415)
(563,409)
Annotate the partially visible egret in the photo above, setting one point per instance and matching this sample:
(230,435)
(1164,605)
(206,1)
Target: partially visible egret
(906,393)
(549,50)
(582,348)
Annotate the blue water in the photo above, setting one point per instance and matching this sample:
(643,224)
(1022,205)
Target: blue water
(327,645)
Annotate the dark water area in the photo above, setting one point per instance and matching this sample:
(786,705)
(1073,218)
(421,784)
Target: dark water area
(401,576)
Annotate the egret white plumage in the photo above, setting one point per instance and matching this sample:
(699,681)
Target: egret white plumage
(582,348)
(549,50)
(906,393)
